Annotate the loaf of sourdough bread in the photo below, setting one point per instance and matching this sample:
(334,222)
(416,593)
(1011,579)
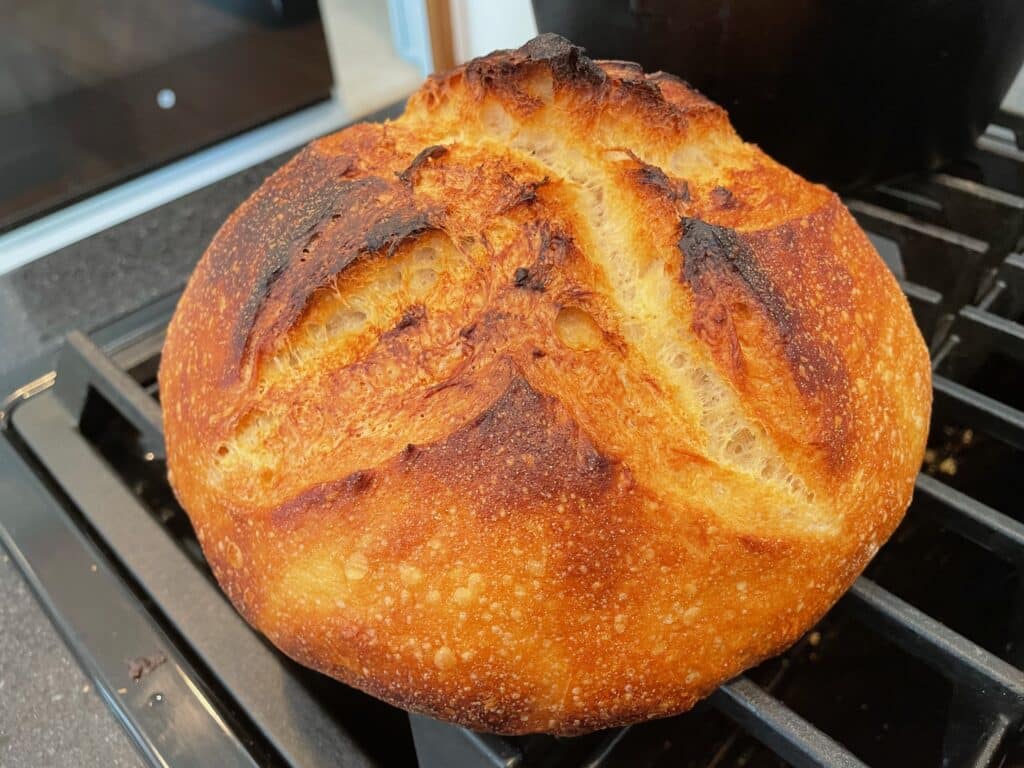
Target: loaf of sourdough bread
(549,406)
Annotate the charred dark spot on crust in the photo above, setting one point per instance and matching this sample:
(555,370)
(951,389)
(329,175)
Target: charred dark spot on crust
(538,353)
(713,254)
(525,455)
(524,194)
(273,269)
(592,461)
(393,230)
(524,279)
(412,316)
(359,481)
(548,46)
(279,239)
(677,190)
(514,193)
(350,167)
(430,153)
(567,61)
(724,198)
(410,452)
(322,497)
(641,90)
(553,249)
(347,219)
(528,193)
(520,450)
(715,257)
(706,244)
(503,70)
(711,251)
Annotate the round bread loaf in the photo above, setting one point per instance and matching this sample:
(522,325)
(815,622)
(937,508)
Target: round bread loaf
(549,406)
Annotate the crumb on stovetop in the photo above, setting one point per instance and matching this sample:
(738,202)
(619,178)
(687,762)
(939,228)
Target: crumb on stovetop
(141,666)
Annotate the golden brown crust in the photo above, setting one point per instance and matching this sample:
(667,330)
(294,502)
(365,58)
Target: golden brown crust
(547,407)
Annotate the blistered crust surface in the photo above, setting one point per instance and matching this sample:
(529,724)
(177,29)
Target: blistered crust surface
(548,406)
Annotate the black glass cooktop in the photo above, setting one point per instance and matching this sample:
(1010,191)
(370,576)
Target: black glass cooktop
(94,93)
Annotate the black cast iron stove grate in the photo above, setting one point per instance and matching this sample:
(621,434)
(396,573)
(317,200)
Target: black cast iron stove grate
(919,664)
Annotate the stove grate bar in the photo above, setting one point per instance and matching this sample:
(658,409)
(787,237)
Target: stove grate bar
(1014,122)
(83,366)
(891,223)
(982,412)
(995,162)
(779,728)
(970,668)
(990,325)
(970,518)
(985,331)
(1011,273)
(953,187)
(991,143)
(961,205)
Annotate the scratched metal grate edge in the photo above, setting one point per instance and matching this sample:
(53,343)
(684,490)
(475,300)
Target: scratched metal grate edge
(222,693)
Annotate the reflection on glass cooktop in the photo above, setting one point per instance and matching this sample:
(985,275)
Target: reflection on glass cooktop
(92,94)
